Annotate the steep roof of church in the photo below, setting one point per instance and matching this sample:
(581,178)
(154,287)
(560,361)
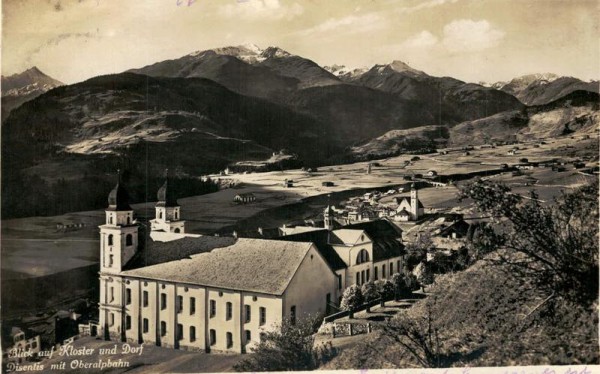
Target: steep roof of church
(118,198)
(253,265)
(166,195)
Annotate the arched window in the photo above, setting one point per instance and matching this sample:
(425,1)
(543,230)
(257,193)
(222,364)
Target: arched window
(129,240)
(363,256)
(177,231)
(128,220)
(160,215)
(110,239)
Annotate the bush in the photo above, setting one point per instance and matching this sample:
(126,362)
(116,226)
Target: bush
(352,298)
(289,347)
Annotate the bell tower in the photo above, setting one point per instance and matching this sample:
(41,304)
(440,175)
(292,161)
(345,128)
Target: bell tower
(118,244)
(168,211)
(414,202)
(119,234)
(328,218)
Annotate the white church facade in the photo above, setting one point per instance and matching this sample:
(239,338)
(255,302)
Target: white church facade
(410,209)
(173,289)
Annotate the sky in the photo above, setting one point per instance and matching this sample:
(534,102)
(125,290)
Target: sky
(472,40)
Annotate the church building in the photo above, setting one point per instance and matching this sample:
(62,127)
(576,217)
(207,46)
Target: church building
(410,210)
(160,285)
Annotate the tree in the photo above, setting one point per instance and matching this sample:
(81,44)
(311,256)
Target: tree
(288,347)
(369,292)
(425,276)
(418,336)
(417,250)
(352,298)
(553,245)
(385,288)
(400,285)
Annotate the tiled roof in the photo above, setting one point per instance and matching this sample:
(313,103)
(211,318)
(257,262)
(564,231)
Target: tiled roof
(320,239)
(157,252)
(254,265)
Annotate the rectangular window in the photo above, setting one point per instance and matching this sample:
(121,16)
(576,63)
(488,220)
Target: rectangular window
(110,260)
(391,268)
(163,301)
(192,305)
(112,319)
(112,294)
(179,331)
(145,325)
(248,336)
(358,278)
(383,271)
(128,296)
(362,277)
(262,315)
(34,345)
(376,276)
(179,304)
(293,315)
(368,275)
(228,311)
(163,328)
(145,298)
(127,322)
(339,282)
(213,308)
(247,313)
(192,334)
(213,337)
(229,340)
(398,266)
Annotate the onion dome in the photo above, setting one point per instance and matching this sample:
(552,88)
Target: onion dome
(166,195)
(118,198)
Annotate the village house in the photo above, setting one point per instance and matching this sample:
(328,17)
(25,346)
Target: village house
(196,292)
(19,345)
(244,198)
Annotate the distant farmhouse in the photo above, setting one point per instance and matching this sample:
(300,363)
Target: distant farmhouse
(244,198)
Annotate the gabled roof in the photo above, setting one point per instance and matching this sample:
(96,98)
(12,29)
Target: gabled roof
(345,236)
(253,265)
(320,239)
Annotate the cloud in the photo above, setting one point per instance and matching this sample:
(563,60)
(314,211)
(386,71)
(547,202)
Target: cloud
(260,10)
(424,39)
(424,5)
(352,24)
(466,35)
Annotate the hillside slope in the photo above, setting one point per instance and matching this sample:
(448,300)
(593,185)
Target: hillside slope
(487,317)
(196,124)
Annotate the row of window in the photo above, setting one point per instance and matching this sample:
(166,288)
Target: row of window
(262,311)
(364,276)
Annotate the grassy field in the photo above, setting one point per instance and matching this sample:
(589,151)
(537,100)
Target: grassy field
(34,246)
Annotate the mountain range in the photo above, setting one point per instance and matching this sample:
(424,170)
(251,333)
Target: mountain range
(211,108)
(22,87)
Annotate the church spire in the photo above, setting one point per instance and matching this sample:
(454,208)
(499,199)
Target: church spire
(118,198)
(166,194)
